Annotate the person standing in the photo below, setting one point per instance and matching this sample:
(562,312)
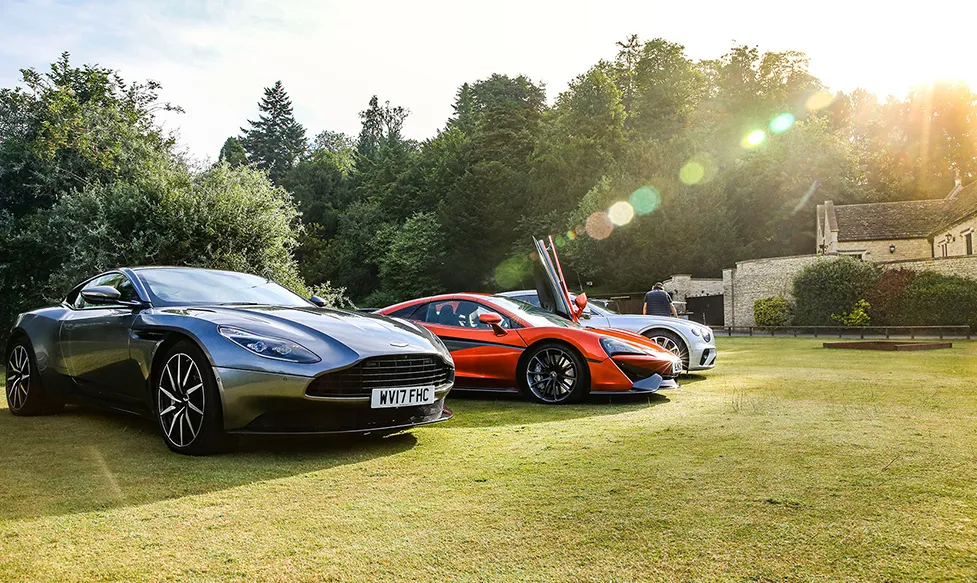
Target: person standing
(658,302)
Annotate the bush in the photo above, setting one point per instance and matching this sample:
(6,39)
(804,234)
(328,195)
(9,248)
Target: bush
(858,316)
(771,312)
(831,286)
(940,300)
(887,296)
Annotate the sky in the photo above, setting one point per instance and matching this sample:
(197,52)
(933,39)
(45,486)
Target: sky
(214,57)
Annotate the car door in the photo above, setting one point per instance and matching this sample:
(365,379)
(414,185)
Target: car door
(484,359)
(95,343)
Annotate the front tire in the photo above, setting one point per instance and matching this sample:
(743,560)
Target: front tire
(26,395)
(554,374)
(671,342)
(186,402)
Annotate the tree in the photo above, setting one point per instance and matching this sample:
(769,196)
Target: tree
(72,127)
(233,152)
(274,142)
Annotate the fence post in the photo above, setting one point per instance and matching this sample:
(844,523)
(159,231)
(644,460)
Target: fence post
(941,333)
(887,333)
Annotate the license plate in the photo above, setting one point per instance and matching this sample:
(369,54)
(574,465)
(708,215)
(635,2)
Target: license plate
(401,397)
(677,367)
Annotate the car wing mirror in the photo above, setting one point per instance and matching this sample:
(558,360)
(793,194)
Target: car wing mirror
(318,301)
(493,320)
(101,295)
(580,304)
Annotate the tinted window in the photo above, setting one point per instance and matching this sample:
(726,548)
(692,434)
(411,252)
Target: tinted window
(411,312)
(460,313)
(531,314)
(184,286)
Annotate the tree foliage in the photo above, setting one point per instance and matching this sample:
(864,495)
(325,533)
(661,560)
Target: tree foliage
(832,287)
(274,142)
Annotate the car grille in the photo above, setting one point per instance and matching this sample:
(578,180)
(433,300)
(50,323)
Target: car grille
(359,380)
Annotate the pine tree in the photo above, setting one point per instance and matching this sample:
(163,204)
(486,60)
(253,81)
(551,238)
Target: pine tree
(276,141)
(233,153)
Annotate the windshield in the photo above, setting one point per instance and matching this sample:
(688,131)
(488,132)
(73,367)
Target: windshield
(184,287)
(597,307)
(536,317)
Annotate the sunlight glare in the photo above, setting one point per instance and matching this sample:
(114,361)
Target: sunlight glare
(599,226)
(754,139)
(819,100)
(782,123)
(621,213)
(645,200)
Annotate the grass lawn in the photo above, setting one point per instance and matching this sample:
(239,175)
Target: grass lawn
(787,463)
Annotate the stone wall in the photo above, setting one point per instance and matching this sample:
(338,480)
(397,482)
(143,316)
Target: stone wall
(760,278)
(682,286)
(774,277)
(878,251)
(965,266)
(958,244)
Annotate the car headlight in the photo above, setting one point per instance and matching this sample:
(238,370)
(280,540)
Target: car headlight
(614,346)
(268,346)
(707,335)
(695,331)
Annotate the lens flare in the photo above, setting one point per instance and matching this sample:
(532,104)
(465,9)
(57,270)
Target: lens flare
(692,173)
(512,272)
(645,200)
(819,100)
(754,139)
(599,226)
(708,164)
(781,123)
(621,213)
(571,235)
(560,241)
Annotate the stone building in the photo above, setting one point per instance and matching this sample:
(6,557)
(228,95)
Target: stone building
(894,231)
(931,235)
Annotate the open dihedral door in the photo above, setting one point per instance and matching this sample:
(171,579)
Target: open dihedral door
(551,287)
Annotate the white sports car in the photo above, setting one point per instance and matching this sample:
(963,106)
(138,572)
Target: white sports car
(690,341)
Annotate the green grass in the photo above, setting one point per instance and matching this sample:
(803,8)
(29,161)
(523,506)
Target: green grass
(786,463)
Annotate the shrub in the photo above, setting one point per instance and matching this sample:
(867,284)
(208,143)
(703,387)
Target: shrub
(831,286)
(858,316)
(940,300)
(771,312)
(887,296)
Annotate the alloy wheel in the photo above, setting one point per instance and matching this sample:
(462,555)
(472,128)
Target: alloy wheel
(671,346)
(181,400)
(18,377)
(551,375)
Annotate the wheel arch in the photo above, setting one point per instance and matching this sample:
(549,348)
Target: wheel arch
(657,327)
(171,338)
(524,357)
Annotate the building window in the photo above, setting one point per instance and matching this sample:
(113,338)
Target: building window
(968,240)
(943,249)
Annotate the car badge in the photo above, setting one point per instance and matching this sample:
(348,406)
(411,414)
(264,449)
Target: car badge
(399,344)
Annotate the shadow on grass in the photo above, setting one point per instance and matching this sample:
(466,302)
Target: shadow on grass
(83,460)
(483,409)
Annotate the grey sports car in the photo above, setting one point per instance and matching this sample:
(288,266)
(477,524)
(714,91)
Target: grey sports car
(208,353)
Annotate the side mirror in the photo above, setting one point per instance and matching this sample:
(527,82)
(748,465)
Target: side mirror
(493,320)
(318,301)
(580,301)
(101,295)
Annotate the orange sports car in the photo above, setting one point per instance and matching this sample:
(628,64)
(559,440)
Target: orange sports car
(503,344)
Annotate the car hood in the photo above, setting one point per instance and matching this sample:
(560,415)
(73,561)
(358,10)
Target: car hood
(334,335)
(639,321)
